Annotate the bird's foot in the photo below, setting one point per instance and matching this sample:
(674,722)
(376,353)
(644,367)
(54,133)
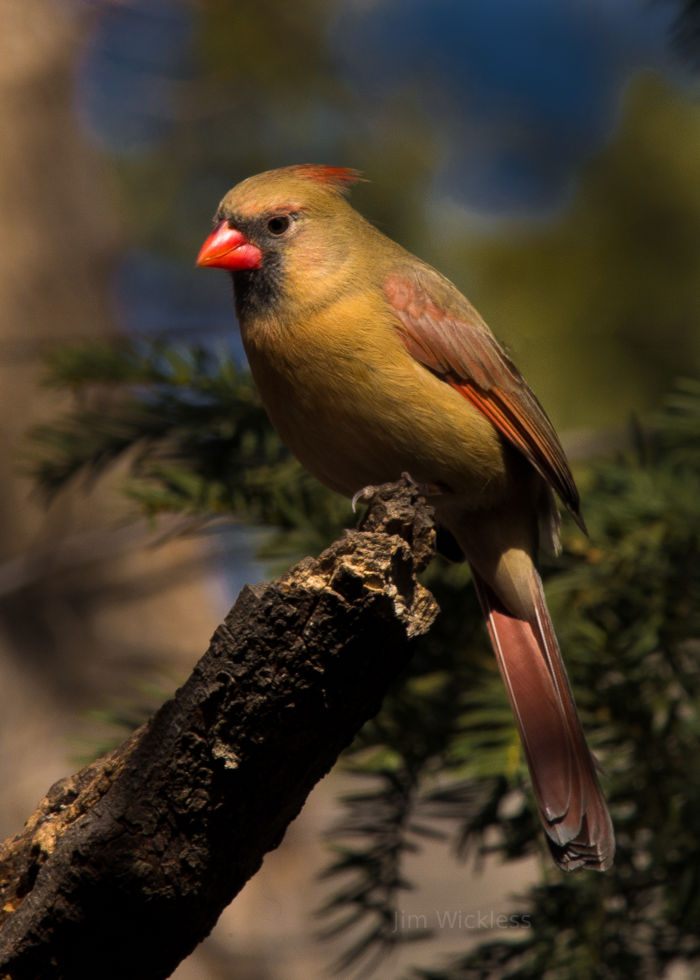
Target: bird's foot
(425,489)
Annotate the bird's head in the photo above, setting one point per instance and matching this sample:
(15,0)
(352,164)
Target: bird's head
(283,233)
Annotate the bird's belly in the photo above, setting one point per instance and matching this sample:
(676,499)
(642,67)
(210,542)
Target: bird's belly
(354,422)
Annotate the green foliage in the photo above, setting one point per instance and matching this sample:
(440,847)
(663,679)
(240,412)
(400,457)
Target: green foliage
(442,760)
(193,430)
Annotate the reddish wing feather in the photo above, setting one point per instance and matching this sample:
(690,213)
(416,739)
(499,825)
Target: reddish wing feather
(442,330)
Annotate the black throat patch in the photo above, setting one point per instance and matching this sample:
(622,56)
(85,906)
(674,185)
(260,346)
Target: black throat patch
(258,290)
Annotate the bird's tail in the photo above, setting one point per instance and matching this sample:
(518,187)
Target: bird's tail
(569,798)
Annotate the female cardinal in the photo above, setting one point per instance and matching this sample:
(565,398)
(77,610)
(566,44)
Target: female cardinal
(371,364)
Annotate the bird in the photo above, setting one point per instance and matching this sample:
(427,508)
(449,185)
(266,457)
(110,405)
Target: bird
(371,364)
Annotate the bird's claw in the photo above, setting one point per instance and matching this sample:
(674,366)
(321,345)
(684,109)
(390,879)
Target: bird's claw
(365,493)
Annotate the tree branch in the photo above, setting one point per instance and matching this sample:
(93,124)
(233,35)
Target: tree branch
(125,867)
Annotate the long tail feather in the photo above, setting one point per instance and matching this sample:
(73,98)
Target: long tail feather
(569,798)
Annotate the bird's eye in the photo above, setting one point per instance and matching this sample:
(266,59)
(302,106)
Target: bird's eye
(278,224)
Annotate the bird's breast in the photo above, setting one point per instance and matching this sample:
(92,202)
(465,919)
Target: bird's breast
(352,404)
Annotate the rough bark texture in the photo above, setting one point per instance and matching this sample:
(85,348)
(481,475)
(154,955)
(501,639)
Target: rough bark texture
(125,867)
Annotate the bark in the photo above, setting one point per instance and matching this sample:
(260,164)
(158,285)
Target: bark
(126,866)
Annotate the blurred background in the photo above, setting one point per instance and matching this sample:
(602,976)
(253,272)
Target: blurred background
(545,155)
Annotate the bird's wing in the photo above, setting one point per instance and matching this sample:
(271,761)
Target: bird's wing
(441,329)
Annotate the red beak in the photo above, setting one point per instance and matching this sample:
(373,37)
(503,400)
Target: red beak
(228,248)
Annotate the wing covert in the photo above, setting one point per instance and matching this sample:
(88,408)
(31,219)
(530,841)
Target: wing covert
(441,330)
